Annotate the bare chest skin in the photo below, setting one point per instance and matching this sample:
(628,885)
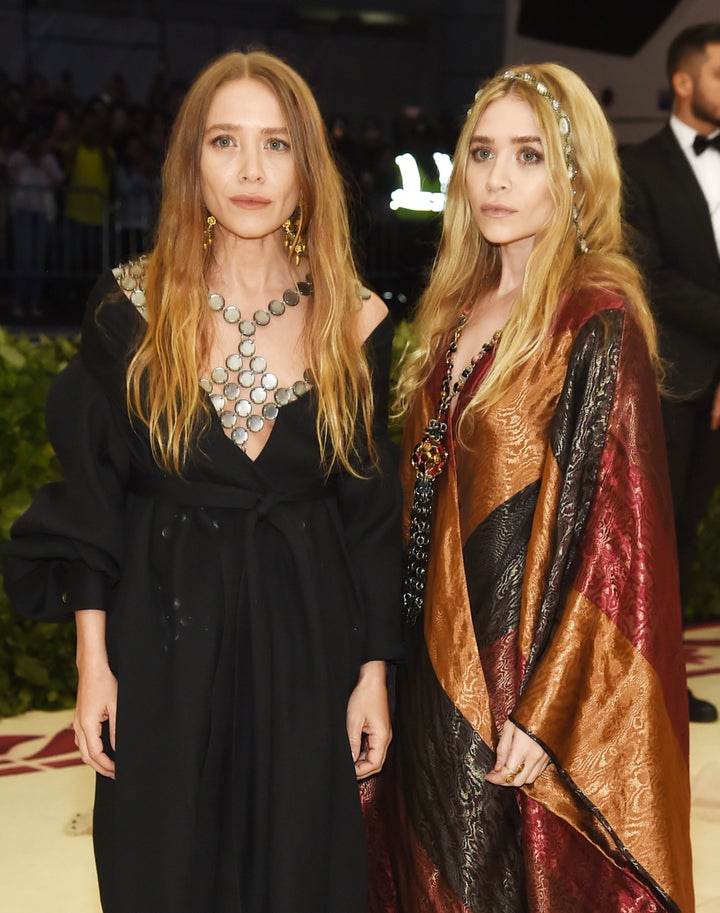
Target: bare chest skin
(279,343)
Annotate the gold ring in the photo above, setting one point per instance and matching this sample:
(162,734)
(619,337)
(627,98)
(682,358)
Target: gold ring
(509,778)
(521,768)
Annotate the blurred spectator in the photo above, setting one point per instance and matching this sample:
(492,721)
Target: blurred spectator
(119,125)
(13,104)
(136,192)
(159,83)
(88,192)
(116,92)
(371,150)
(110,150)
(34,174)
(343,144)
(39,107)
(157,132)
(64,137)
(7,144)
(64,92)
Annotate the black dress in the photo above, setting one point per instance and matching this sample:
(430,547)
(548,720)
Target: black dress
(240,604)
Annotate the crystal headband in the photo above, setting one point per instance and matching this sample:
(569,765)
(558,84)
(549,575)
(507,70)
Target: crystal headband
(566,135)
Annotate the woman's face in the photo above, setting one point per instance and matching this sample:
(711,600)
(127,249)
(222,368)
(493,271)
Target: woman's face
(247,168)
(506,177)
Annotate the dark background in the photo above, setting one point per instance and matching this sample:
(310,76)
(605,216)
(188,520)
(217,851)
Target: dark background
(412,66)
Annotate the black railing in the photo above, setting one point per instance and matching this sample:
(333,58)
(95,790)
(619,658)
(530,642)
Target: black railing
(58,241)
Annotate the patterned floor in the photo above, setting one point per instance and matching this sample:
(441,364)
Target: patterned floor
(702,650)
(702,657)
(46,794)
(28,753)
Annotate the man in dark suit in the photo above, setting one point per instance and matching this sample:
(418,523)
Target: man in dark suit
(673,206)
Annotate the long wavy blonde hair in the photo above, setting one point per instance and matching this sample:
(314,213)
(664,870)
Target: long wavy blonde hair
(467,266)
(162,380)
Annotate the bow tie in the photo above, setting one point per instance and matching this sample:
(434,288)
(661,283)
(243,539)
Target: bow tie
(701,143)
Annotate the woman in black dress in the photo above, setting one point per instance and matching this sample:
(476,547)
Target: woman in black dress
(226,530)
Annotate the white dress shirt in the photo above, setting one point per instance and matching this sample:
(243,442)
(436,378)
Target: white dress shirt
(706,168)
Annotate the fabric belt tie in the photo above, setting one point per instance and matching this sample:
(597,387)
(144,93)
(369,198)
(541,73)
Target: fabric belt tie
(209,494)
(259,506)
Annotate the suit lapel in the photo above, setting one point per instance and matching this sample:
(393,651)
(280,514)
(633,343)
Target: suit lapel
(697,212)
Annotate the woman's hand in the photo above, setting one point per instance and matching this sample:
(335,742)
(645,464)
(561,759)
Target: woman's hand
(96,703)
(519,759)
(97,692)
(368,720)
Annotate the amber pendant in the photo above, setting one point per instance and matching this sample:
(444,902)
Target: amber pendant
(429,458)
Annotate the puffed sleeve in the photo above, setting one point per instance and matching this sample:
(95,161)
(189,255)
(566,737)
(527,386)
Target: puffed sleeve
(65,552)
(370,509)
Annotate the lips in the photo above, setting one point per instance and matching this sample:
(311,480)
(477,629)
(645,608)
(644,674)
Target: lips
(496,212)
(250,202)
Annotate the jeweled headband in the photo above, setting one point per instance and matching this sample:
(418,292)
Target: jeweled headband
(565,134)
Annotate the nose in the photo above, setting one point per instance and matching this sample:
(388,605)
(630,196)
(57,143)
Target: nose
(498,176)
(250,168)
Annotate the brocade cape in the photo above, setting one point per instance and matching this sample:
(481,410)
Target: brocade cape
(552,597)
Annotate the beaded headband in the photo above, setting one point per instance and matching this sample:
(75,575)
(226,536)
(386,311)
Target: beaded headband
(566,135)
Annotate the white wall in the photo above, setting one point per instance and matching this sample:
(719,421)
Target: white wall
(638,83)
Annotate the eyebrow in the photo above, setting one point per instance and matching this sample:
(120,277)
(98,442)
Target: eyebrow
(266,131)
(516,140)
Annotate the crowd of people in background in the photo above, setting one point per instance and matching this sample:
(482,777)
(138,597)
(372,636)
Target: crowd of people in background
(80,177)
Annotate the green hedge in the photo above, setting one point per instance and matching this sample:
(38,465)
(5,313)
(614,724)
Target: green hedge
(704,601)
(37,661)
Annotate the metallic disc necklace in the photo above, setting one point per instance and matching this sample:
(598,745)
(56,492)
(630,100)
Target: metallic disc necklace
(243,391)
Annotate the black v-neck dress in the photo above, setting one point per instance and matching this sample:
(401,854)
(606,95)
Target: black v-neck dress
(241,602)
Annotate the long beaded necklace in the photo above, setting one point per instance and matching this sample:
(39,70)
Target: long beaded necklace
(243,382)
(429,459)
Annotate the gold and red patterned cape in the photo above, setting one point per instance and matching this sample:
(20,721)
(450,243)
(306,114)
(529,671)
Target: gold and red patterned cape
(552,596)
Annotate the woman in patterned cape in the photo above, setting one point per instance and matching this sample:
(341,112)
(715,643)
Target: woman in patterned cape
(541,753)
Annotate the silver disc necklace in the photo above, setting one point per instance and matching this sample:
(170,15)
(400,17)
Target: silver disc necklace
(243,391)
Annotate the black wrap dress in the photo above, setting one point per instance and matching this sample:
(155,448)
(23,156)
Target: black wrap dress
(241,602)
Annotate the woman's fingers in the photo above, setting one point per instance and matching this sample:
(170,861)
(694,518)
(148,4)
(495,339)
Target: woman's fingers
(95,706)
(88,739)
(368,721)
(520,759)
(372,757)
(504,748)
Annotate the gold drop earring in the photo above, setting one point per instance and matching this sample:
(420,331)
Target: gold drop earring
(208,232)
(294,240)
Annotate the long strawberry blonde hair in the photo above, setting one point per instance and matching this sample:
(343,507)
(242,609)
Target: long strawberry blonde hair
(162,379)
(467,266)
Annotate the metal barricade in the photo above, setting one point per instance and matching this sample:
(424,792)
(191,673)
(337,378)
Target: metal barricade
(57,242)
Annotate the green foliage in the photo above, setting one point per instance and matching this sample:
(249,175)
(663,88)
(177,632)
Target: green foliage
(704,598)
(37,661)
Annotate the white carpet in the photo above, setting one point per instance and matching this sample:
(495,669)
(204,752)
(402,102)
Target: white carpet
(46,863)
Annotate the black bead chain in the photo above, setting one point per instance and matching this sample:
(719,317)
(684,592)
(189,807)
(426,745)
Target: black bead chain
(429,459)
